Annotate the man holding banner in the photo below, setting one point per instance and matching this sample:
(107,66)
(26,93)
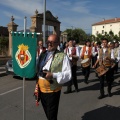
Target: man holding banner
(53,70)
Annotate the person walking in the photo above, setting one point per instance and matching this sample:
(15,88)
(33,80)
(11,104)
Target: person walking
(73,54)
(117,56)
(86,53)
(105,57)
(53,71)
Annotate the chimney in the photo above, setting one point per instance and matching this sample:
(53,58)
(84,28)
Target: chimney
(103,19)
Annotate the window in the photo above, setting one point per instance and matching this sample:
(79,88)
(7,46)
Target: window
(102,31)
(97,32)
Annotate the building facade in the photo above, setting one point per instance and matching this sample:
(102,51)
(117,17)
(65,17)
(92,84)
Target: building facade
(36,26)
(106,26)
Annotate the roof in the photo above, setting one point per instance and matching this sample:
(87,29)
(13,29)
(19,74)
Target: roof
(49,16)
(113,20)
(12,23)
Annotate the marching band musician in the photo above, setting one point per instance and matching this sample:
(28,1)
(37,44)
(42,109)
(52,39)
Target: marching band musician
(86,52)
(73,54)
(94,53)
(105,55)
(113,52)
(117,56)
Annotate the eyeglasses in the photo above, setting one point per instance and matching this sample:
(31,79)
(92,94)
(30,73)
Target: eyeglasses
(51,42)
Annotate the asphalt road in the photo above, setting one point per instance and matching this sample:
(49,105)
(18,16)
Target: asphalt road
(83,105)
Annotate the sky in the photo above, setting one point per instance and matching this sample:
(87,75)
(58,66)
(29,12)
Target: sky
(71,13)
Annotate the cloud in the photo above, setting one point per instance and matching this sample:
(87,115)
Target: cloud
(24,6)
(81,7)
(77,13)
(9,14)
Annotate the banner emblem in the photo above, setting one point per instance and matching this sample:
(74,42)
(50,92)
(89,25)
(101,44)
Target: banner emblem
(23,56)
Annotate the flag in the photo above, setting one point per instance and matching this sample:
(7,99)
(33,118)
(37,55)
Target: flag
(24,54)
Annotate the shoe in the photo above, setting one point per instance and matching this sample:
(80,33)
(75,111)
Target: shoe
(67,92)
(76,90)
(109,95)
(116,72)
(85,82)
(101,96)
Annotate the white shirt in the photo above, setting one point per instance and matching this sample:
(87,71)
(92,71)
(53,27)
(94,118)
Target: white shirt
(63,76)
(118,54)
(86,52)
(40,51)
(104,50)
(93,51)
(69,51)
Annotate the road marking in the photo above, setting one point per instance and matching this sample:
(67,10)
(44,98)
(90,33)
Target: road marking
(10,91)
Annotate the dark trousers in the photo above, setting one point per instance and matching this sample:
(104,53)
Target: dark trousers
(94,58)
(50,103)
(73,80)
(116,67)
(109,77)
(86,72)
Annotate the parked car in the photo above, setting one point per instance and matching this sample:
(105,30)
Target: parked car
(9,66)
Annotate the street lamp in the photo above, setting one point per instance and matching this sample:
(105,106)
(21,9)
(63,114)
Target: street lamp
(71,31)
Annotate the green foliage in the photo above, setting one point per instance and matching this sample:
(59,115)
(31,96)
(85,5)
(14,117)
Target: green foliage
(4,42)
(76,34)
(110,36)
(80,36)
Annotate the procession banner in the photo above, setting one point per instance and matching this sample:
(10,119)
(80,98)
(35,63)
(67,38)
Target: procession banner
(24,54)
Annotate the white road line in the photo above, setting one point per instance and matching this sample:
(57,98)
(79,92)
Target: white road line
(10,91)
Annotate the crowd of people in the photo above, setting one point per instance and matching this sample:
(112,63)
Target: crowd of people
(58,65)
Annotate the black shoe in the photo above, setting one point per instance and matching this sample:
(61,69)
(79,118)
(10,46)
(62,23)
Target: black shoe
(101,96)
(85,82)
(109,95)
(76,90)
(96,75)
(116,72)
(67,92)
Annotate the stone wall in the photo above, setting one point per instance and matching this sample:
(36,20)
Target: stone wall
(3,60)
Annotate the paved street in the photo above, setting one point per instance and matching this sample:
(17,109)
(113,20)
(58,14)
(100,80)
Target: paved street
(83,105)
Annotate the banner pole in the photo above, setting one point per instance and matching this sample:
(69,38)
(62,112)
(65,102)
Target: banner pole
(24,103)
(44,24)
(24,113)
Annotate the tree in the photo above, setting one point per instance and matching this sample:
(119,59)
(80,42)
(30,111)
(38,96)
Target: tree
(69,33)
(76,34)
(4,42)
